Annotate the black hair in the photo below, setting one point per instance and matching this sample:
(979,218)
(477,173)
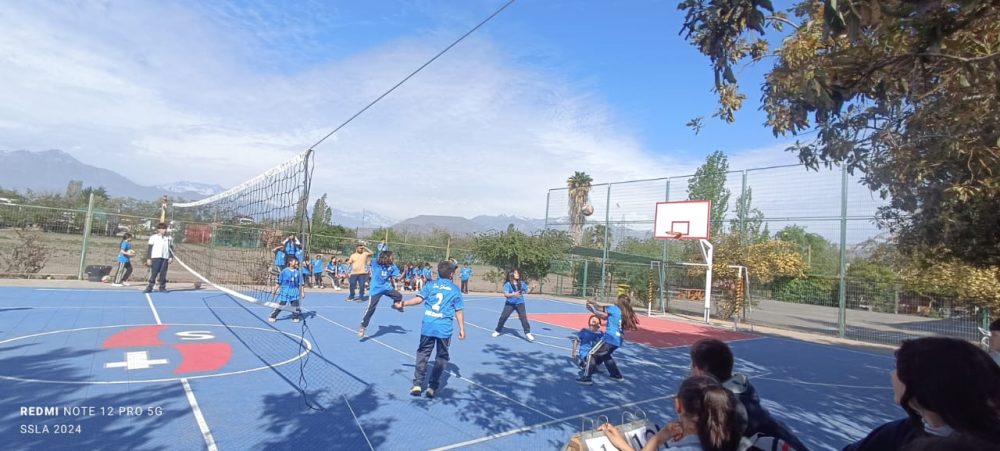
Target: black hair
(715,412)
(291,258)
(995,325)
(510,279)
(126,236)
(446,268)
(629,320)
(954,379)
(599,322)
(385,258)
(714,357)
(161,225)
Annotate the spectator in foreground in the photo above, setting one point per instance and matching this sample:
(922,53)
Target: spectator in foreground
(708,419)
(946,386)
(711,357)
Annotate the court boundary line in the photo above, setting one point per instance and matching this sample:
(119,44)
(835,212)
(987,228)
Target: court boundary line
(544,424)
(358,422)
(450,373)
(199,417)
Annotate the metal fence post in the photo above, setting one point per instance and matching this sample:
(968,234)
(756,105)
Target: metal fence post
(585,265)
(607,226)
(842,291)
(664,292)
(86,234)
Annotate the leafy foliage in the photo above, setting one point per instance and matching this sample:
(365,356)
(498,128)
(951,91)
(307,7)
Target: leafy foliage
(905,92)
(27,256)
(532,255)
(820,255)
(709,183)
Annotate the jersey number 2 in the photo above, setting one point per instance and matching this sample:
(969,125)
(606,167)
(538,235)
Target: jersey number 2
(437,305)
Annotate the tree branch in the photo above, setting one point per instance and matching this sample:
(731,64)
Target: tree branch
(784,21)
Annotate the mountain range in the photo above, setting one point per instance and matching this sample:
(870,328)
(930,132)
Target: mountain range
(22,170)
(19,170)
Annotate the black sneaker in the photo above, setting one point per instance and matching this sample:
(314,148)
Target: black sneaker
(147,290)
(584,381)
(429,393)
(617,378)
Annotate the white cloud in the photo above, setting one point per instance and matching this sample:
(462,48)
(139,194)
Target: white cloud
(174,95)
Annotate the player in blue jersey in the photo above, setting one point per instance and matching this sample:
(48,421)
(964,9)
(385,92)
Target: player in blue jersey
(465,275)
(443,305)
(279,259)
(620,318)
(514,290)
(125,253)
(317,270)
(331,272)
(304,268)
(585,340)
(289,289)
(384,271)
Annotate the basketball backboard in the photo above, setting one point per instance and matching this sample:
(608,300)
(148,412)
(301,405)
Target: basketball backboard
(682,220)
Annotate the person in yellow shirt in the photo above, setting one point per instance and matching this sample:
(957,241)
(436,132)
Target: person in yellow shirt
(359,262)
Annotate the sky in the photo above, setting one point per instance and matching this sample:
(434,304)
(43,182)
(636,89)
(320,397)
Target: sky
(217,92)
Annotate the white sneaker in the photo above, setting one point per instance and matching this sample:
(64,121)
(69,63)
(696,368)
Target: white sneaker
(271,319)
(126,284)
(495,334)
(116,284)
(529,337)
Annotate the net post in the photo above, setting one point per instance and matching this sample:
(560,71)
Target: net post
(86,234)
(304,215)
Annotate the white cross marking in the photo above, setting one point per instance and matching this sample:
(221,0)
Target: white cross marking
(136,361)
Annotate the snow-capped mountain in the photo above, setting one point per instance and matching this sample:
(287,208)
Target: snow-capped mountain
(183,186)
(365,219)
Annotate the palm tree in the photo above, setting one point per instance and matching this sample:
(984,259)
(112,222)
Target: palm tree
(579,198)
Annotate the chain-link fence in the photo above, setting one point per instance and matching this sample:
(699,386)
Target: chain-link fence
(828,218)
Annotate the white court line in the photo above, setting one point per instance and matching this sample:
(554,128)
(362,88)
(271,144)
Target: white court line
(536,341)
(202,424)
(823,384)
(469,381)
(156,315)
(363,433)
(544,424)
(206,434)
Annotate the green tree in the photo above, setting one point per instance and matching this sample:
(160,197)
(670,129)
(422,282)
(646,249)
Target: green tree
(531,254)
(579,198)
(749,221)
(100,194)
(906,92)
(821,255)
(322,213)
(709,183)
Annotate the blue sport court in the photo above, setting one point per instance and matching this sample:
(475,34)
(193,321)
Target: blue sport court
(195,369)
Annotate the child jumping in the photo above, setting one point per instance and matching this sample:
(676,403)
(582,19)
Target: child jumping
(620,318)
(514,289)
(443,304)
(383,273)
(289,290)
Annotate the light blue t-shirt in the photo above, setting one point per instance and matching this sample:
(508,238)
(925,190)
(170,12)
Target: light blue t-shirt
(279,258)
(317,266)
(290,281)
(382,278)
(426,272)
(382,247)
(614,335)
(588,339)
(509,288)
(330,267)
(344,268)
(442,298)
(466,273)
(125,246)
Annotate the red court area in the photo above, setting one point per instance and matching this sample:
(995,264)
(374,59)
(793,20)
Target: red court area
(656,332)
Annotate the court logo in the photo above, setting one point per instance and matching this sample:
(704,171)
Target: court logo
(148,346)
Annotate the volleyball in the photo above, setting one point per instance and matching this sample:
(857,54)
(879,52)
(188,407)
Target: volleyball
(130,252)
(587,210)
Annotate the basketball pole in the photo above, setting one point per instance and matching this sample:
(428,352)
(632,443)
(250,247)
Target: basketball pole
(707,251)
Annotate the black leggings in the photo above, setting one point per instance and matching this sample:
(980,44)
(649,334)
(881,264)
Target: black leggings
(124,270)
(373,302)
(507,310)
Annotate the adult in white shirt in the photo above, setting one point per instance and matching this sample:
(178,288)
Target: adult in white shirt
(158,258)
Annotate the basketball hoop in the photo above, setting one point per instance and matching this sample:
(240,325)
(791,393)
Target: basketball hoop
(675,235)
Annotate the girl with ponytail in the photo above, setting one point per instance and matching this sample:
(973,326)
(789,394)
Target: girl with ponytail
(707,419)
